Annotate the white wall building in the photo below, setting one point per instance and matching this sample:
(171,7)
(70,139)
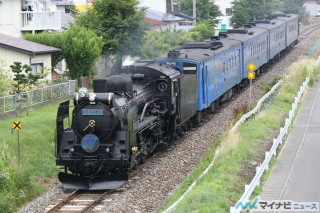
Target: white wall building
(158,5)
(226,10)
(19,16)
(225,6)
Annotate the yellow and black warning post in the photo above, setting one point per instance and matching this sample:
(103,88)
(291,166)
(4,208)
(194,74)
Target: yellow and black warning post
(17,125)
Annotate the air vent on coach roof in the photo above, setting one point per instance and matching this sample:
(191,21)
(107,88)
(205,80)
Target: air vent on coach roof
(174,54)
(241,31)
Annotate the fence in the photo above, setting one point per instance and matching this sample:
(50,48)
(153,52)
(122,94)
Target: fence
(24,100)
(260,169)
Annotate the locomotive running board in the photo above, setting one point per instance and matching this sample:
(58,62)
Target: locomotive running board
(74,182)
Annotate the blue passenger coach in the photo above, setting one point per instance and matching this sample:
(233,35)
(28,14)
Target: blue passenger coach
(276,28)
(215,62)
(255,47)
(292,28)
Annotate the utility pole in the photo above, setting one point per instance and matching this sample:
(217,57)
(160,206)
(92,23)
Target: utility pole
(194,12)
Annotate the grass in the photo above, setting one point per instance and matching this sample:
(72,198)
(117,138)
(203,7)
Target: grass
(22,181)
(242,151)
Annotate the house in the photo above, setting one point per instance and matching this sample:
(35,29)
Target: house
(18,17)
(313,7)
(37,56)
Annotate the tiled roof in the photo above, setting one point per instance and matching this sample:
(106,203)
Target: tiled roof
(22,45)
(152,14)
(154,22)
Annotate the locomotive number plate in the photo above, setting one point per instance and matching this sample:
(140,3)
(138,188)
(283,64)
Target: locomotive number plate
(92,112)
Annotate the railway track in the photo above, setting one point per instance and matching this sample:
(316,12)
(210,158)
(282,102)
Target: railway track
(306,32)
(83,201)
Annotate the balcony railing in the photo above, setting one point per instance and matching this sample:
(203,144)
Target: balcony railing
(41,21)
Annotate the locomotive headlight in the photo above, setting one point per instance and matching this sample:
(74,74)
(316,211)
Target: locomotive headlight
(107,149)
(83,92)
(72,149)
(171,63)
(92,97)
(90,143)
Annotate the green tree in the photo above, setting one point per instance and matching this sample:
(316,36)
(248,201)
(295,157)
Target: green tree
(6,83)
(205,9)
(295,6)
(203,30)
(23,76)
(81,48)
(240,15)
(159,43)
(245,11)
(119,23)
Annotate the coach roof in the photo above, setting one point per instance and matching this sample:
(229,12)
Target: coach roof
(245,34)
(270,24)
(200,51)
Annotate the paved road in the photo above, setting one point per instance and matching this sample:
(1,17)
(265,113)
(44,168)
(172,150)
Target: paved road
(296,175)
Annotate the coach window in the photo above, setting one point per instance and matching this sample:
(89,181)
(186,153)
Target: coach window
(189,68)
(233,62)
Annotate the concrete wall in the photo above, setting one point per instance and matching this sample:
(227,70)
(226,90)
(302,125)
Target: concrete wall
(10,17)
(10,56)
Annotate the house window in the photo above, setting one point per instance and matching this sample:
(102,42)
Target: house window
(228,11)
(37,69)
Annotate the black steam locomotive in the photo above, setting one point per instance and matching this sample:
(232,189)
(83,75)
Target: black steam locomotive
(129,115)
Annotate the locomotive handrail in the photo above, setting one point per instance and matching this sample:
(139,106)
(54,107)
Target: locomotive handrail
(145,108)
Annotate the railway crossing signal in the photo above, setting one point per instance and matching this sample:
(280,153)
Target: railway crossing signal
(16,125)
